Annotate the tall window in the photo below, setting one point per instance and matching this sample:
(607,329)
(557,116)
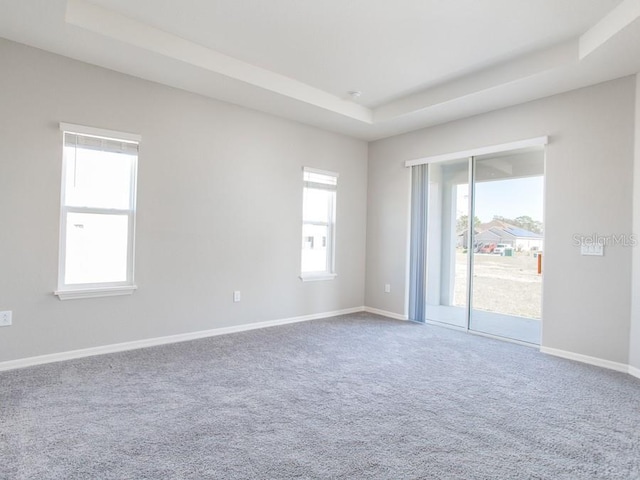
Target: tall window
(318,224)
(97,214)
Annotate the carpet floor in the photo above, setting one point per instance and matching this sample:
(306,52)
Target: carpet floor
(356,396)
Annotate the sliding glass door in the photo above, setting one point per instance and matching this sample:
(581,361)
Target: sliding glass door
(506,288)
(484,242)
(448,243)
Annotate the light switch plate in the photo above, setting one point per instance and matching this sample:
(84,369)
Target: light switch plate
(593,249)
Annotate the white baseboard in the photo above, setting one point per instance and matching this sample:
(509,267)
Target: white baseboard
(184,337)
(384,313)
(598,362)
(153,342)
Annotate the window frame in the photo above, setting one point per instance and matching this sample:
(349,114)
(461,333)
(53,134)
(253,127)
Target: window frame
(97,289)
(329,272)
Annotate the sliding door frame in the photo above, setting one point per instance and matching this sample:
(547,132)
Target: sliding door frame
(471,155)
(471,239)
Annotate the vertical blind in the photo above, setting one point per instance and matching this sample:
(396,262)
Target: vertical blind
(418,249)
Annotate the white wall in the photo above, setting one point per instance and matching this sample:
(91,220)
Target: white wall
(219,209)
(634,336)
(589,177)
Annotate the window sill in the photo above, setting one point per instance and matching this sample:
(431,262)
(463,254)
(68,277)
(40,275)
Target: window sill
(317,277)
(74,294)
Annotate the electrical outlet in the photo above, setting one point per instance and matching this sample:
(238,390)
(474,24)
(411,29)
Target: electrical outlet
(5,318)
(236,296)
(387,288)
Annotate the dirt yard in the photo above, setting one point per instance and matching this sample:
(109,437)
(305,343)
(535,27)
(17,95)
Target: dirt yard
(509,285)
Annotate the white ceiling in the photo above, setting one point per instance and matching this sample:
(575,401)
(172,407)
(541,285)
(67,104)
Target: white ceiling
(417,62)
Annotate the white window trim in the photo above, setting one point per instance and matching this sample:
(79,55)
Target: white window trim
(108,289)
(78,293)
(317,276)
(100,132)
(329,273)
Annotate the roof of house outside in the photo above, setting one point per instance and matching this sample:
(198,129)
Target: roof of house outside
(521,232)
(500,229)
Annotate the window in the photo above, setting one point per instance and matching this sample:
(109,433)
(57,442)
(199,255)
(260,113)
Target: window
(97,214)
(318,224)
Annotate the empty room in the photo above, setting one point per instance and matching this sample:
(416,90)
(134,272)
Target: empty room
(251,239)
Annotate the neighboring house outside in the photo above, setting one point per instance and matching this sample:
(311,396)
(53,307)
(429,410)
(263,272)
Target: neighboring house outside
(496,232)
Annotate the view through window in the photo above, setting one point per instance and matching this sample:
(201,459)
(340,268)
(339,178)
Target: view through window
(318,224)
(97,211)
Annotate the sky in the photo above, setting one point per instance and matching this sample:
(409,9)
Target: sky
(507,198)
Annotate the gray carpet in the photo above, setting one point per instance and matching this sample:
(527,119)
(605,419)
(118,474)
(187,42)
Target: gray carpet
(357,396)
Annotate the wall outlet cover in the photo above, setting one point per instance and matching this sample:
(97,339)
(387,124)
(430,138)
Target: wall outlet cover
(5,318)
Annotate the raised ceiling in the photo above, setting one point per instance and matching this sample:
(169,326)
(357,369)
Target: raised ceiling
(416,62)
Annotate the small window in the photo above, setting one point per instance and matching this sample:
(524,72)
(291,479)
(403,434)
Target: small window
(97,214)
(318,224)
